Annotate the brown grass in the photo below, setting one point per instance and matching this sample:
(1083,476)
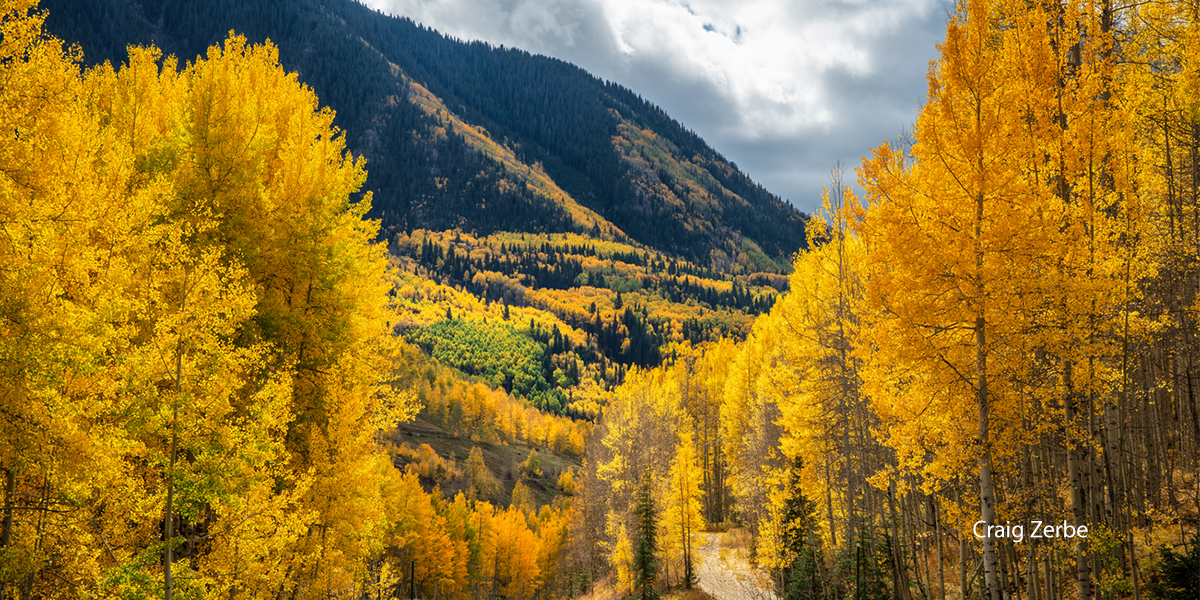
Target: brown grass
(736,539)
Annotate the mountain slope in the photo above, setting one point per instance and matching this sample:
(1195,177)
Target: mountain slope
(539,146)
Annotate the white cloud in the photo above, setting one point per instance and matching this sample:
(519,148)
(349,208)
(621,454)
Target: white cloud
(785,88)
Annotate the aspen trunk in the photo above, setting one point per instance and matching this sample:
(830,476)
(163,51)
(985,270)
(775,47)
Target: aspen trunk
(1031,576)
(39,532)
(829,505)
(10,490)
(987,490)
(937,536)
(1079,507)
(1194,407)
(169,525)
(899,568)
(962,552)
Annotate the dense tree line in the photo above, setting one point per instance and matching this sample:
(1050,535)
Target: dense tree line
(487,414)
(197,357)
(1000,334)
(632,335)
(193,385)
(551,268)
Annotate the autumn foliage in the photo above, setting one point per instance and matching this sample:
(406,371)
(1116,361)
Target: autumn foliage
(1000,331)
(203,356)
(196,345)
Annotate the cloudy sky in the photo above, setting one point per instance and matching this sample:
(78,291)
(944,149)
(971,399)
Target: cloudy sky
(784,88)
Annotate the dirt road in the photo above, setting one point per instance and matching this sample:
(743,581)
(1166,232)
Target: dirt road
(729,575)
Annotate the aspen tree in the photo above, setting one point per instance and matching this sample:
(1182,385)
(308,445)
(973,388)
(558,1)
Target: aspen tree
(681,516)
(750,429)
(174,287)
(825,418)
(271,168)
(621,559)
(638,437)
(957,240)
(75,248)
(701,373)
(552,532)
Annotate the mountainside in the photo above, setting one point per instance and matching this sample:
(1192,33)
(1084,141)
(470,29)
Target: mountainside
(478,138)
(549,230)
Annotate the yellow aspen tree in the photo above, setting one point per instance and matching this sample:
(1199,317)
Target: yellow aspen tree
(816,379)
(772,551)
(422,536)
(621,559)
(484,519)
(196,328)
(38,85)
(1095,177)
(750,429)
(1091,185)
(197,304)
(267,165)
(517,574)
(227,311)
(552,530)
(349,476)
(682,517)
(75,248)
(637,435)
(160,309)
(454,578)
(957,242)
(249,533)
(710,446)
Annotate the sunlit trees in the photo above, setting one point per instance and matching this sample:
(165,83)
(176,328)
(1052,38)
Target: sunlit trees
(817,380)
(962,246)
(196,341)
(751,434)
(197,349)
(681,516)
(56,314)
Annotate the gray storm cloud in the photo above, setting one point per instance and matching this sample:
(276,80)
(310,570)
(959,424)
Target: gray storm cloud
(785,89)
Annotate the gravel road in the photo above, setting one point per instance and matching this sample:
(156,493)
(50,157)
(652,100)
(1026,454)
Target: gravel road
(731,577)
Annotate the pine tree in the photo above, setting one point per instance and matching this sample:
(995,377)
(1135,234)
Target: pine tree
(645,565)
(1178,574)
(800,539)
